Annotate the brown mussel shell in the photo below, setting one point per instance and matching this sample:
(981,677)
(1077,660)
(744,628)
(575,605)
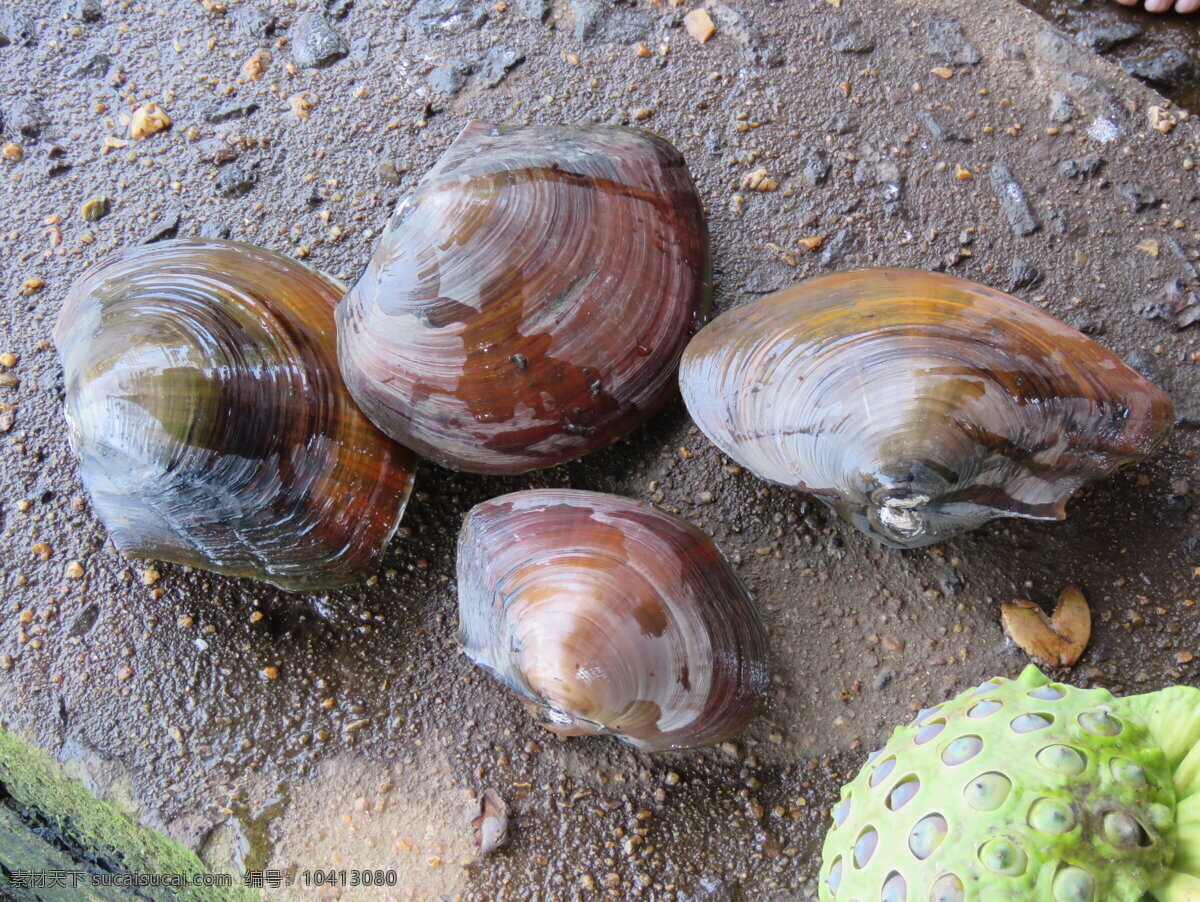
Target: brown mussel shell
(212,427)
(530,301)
(918,405)
(610,616)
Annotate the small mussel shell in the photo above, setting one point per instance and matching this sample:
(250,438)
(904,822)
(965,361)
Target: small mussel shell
(918,405)
(530,301)
(610,616)
(212,427)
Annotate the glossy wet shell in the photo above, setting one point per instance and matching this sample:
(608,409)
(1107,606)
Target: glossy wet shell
(610,616)
(211,424)
(1017,790)
(529,303)
(917,404)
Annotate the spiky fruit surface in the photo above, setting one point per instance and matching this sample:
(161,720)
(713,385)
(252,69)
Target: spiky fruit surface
(1022,790)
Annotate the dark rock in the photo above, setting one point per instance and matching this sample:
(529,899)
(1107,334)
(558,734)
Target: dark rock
(714,141)
(388,174)
(214,230)
(939,130)
(1012,201)
(1103,38)
(1022,274)
(945,41)
(1083,168)
(165,228)
(814,166)
(446,18)
(214,150)
(252,21)
(83,10)
(534,10)
(1086,323)
(339,9)
(497,64)
(450,77)
(603,23)
(29,117)
(853,37)
(842,124)
(1174,304)
(228,111)
(883,678)
(96,67)
(1062,108)
(1012,51)
(838,247)
(1139,196)
(16,29)
(235,181)
(1167,68)
(316,43)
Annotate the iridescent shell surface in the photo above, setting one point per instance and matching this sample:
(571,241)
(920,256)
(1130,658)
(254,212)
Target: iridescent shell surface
(610,616)
(212,427)
(530,301)
(918,405)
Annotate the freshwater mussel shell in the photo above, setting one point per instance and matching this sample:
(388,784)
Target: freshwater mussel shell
(211,424)
(918,405)
(530,301)
(610,616)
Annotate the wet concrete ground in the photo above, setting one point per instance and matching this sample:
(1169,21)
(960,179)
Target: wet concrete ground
(371,745)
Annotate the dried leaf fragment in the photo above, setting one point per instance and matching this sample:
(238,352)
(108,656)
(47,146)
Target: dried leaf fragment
(1054,641)
(491,826)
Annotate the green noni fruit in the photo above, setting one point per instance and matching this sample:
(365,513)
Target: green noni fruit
(1026,790)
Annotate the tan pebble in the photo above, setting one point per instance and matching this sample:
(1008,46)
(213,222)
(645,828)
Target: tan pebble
(8,380)
(699,25)
(892,643)
(612,880)
(125,673)
(642,50)
(74,570)
(962,173)
(1161,120)
(147,120)
(95,208)
(758,180)
(176,734)
(672,778)
(302,104)
(12,151)
(256,65)
(42,551)
(270,672)
(587,881)
(24,504)
(6,661)
(8,360)
(256,616)
(26,616)
(1149,246)
(642,113)
(150,577)
(185,621)
(32,285)
(942,72)
(812,242)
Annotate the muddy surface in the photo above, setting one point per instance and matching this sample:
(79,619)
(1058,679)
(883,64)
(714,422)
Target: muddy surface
(373,740)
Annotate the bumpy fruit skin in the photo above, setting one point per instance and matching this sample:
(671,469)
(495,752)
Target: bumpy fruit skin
(1019,790)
